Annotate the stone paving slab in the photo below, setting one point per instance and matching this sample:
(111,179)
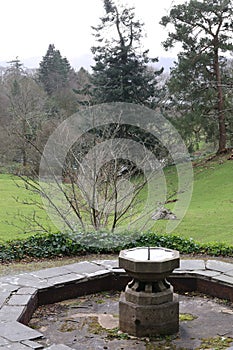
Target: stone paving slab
(218,265)
(19,299)
(107,264)
(50,272)
(26,291)
(24,280)
(15,331)
(3,341)
(15,346)
(206,273)
(224,279)
(3,297)
(32,344)
(190,265)
(10,313)
(71,277)
(229,273)
(7,287)
(16,291)
(84,268)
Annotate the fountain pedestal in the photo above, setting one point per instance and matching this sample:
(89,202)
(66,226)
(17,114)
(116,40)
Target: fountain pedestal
(148,306)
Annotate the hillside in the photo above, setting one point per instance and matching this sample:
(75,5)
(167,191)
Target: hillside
(210,214)
(208,219)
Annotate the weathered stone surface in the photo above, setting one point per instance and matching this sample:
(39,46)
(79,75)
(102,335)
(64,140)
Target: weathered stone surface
(3,341)
(101,273)
(32,344)
(11,313)
(26,290)
(15,331)
(4,296)
(15,346)
(148,320)
(7,287)
(229,273)
(68,278)
(224,279)
(218,266)
(26,280)
(84,268)
(19,299)
(50,272)
(206,273)
(189,265)
(107,264)
(59,347)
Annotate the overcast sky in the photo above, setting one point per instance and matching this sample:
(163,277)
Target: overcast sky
(27,27)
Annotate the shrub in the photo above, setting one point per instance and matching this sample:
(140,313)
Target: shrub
(65,244)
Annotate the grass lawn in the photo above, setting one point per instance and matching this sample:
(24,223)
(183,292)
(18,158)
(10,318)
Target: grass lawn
(12,194)
(208,219)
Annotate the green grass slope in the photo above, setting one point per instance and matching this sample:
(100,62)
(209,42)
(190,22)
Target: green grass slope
(210,215)
(208,219)
(12,196)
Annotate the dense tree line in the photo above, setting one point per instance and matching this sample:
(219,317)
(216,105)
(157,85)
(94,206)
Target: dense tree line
(196,96)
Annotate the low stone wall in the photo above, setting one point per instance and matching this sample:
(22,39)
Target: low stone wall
(21,294)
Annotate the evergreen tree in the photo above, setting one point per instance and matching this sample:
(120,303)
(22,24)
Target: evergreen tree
(53,71)
(204,30)
(121,70)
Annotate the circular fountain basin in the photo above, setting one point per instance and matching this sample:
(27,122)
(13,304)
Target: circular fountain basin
(161,264)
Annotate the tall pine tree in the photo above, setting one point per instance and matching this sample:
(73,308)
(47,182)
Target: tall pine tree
(204,29)
(53,71)
(121,69)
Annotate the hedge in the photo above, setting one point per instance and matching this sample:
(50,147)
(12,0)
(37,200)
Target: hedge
(64,244)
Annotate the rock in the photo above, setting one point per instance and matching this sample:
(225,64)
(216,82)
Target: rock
(163,214)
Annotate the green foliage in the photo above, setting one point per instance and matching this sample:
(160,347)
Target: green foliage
(65,244)
(54,70)
(121,73)
(198,86)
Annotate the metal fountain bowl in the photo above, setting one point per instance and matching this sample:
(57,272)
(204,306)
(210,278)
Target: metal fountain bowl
(161,264)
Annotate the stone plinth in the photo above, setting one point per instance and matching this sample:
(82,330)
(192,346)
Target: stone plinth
(148,306)
(148,320)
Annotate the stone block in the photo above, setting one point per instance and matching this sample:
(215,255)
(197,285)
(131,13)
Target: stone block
(3,342)
(84,268)
(148,320)
(4,296)
(68,278)
(16,332)
(32,344)
(107,264)
(26,290)
(19,299)
(191,265)
(50,272)
(15,346)
(223,279)
(206,273)
(219,266)
(10,313)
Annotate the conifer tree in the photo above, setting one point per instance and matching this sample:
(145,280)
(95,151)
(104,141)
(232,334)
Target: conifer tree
(121,69)
(53,71)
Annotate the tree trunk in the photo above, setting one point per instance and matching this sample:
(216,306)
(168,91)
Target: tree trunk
(221,116)
(24,145)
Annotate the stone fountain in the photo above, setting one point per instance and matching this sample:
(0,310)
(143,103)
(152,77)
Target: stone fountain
(148,306)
